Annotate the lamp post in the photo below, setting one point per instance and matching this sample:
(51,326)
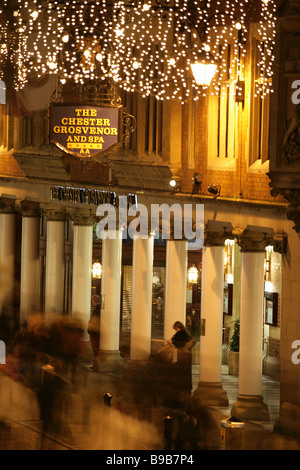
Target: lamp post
(203,72)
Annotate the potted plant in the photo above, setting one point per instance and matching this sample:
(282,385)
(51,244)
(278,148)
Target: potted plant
(234,345)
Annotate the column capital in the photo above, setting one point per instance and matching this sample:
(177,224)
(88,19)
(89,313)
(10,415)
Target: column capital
(215,233)
(81,216)
(30,208)
(7,204)
(254,239)
(54,213)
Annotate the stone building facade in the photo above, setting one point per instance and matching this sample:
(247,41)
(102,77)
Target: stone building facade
(248,187)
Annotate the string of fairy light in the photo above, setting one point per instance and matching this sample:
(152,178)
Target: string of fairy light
(147,46)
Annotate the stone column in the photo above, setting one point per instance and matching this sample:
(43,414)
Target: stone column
(30,266)
(176,284)
(210,391)
(7,251)
(110,359)
(250,404)
(140,342)
(83,221)
(55,250)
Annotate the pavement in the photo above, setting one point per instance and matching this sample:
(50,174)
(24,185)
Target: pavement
(98,411)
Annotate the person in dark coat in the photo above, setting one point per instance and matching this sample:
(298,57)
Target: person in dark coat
(94,329)
(184,356)
(182,336)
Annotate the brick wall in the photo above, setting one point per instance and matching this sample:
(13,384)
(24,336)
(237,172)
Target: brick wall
(237,182)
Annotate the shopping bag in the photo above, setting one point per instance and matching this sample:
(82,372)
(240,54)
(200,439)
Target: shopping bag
(167,353)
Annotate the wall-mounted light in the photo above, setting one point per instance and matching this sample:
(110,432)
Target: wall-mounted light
(97,270)
(267,263)
(214,189)
(228,261)
(175,183)
(193,275)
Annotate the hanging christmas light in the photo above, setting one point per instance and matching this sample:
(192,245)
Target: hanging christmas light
(151,46)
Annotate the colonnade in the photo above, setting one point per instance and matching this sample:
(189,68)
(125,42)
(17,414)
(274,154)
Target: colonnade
(249,403)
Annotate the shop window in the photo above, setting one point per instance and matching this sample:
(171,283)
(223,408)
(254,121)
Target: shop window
(2,92)
(126,298)
(222,114)
(158,301)
(5,123)
(259,106)
(148,113)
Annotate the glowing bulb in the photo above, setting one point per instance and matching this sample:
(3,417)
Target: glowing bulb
(65,38)
(238,26)
(51,65)
(146,6)
(172,61)
(207,47)
(135,65)
(34,14)
(119,31)
(99,57)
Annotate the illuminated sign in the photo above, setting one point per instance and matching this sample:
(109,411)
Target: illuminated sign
(89,196)
(84,131)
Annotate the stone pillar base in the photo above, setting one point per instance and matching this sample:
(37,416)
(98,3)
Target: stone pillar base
(250,408)
(211,394)
(110,361)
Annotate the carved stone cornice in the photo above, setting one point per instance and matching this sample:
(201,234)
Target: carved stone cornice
(7,205)
(215,233)
(82,216)
(251,240)
(30,208)
(293,213)
(57,214)
(292,195)
(280,243)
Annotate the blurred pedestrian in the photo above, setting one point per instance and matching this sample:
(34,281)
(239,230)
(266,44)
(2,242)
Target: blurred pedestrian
(94,329)
(183,342)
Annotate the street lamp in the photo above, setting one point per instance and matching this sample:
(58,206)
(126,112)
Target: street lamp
(204,69)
